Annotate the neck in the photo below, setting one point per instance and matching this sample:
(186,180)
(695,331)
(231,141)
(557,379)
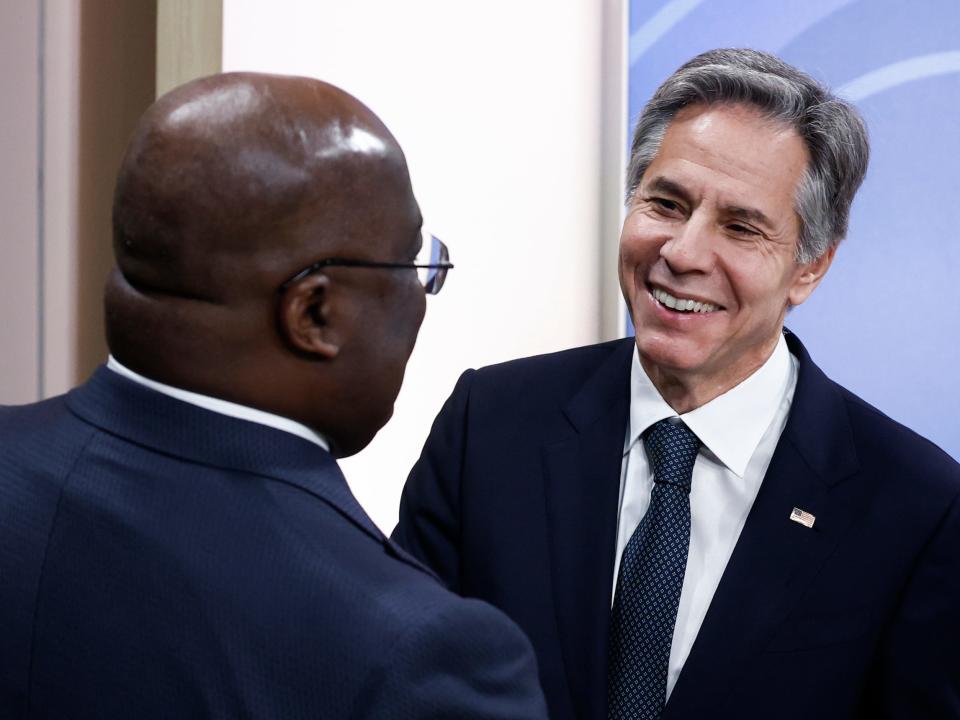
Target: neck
(685,391)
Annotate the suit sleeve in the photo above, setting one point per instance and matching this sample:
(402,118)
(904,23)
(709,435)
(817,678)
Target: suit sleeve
(465,661)
(920,676)
(429,525)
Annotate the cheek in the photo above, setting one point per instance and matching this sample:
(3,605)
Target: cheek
(407,325)
(418,304)
(640,242)
(421,311)
(760,290)
(626,273)
(631,254)
(635,260)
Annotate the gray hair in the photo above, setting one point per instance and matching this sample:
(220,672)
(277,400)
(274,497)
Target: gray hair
(831,128)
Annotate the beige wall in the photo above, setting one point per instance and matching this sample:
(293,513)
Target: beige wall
(60,279)
(75,76)
(189,41)
(117,75)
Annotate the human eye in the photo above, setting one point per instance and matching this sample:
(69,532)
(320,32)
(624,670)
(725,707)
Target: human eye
(742,230)
(665,206)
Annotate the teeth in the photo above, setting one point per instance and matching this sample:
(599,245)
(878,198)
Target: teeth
(682,304)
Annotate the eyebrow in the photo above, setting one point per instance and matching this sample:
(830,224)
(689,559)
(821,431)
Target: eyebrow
(664,185)
(749,214)
(753,215)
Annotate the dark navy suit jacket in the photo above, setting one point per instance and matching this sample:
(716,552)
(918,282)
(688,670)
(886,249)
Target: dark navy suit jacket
(515,499)
(161,561)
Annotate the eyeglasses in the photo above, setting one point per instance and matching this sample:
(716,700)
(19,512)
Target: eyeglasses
(431,264)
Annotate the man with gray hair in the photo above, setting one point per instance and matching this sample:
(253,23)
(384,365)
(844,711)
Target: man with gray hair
(697,522)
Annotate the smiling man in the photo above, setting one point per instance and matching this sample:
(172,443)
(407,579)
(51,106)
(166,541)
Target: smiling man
(697,522)
(708,252)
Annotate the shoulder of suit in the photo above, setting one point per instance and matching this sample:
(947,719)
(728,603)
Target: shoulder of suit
(42,439)
(26,418)
(584,359)
(516,388)
(886,444)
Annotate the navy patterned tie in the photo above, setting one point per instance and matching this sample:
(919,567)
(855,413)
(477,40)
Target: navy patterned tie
(650,580)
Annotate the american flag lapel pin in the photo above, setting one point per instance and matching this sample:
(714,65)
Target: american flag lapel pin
(802,517)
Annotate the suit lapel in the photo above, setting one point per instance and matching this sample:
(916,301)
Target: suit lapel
(774,559)
(582,473)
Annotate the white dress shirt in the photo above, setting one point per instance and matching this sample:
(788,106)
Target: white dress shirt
(739,431)
(223,407)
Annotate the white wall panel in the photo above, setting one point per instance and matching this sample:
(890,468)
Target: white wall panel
(498,107)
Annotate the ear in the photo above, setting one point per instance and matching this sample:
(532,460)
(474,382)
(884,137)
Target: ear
(305,317)
(809,276)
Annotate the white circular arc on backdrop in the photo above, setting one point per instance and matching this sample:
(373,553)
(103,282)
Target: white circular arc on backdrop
(658,25)
(899,73)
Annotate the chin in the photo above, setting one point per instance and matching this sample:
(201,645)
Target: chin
(344,447)
(352,442)
(679,356)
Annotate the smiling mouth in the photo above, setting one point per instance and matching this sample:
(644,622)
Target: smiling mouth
(682,305)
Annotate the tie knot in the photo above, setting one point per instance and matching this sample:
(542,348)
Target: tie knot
(672,449)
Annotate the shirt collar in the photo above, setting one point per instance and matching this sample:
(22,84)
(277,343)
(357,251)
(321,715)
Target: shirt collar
(731,425)
(223,407)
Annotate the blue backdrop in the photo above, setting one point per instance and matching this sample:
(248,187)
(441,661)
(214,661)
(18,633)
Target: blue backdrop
(883,322)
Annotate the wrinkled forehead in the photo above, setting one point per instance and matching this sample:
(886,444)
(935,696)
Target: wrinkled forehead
(740,139)
(753,118)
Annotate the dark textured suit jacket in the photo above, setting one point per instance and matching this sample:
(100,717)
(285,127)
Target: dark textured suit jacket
(161,561)
(515,498)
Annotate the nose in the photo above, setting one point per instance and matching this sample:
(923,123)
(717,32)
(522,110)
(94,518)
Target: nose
(691,248)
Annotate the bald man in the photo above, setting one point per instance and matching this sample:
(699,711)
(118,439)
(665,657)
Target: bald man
(176,539)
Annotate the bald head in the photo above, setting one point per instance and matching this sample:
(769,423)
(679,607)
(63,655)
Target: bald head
(218,168)
(230,185)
